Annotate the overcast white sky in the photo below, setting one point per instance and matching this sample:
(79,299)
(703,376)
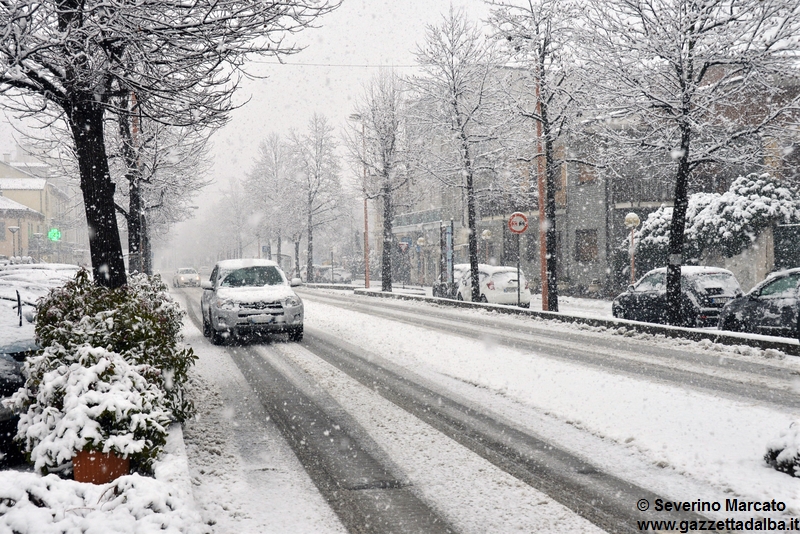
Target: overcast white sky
(349,47)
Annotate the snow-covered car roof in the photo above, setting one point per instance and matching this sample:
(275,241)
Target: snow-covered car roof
(690,270)
(782,272)
(246,262)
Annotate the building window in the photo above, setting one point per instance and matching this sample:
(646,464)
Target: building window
(586,245)
(2,230)
(586,173)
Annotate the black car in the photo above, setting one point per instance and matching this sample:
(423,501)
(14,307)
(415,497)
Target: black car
(770,308)
(704,291)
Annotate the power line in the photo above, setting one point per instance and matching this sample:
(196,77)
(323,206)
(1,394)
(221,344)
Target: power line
(340,65)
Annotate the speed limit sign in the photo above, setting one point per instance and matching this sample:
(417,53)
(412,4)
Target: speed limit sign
(517,223)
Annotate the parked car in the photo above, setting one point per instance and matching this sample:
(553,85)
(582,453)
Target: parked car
(498,286)
(186,276)
(704,291)
(444,288)
(10,381)
(771,308)
(250,297)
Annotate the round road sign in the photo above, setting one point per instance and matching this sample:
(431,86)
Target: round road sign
(517,223)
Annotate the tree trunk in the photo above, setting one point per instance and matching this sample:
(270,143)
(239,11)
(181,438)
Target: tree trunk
(310,247)
(147,250)
(388,240)
(297,258)
(472,239)
(676,229)
(85,118)
(551,174)
(128,133)
(278,252)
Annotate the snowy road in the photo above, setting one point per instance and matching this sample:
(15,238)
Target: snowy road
(493,423)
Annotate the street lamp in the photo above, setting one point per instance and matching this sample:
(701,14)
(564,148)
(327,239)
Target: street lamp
(359,118)
(486,235)
(420,263)
(13,230)
(632,221)
(38,240)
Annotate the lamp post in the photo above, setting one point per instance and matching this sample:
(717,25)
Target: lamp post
(632,221)
(38,240)
(359,118)
(420,262)
(13,230)
(486,235)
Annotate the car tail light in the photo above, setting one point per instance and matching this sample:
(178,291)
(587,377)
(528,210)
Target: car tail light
(490,285)
(526,285)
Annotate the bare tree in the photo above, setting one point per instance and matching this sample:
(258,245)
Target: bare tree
(182,60)
(378,143)
(455,97)
(545,89)
(316,179)
(694,82)
(164,167)
(273,194)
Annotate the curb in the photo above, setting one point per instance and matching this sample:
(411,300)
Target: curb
(788,346)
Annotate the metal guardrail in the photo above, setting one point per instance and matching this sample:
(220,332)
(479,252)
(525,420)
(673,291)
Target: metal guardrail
(788,346)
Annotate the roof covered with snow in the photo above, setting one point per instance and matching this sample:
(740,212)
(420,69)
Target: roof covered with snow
(246,262)
(18,184)
(6,204)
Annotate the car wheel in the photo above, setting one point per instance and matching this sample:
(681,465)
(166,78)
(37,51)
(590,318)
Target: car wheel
(731,324)
(296,334)
(459,297)
(484,299)
(216,337)
(206,327)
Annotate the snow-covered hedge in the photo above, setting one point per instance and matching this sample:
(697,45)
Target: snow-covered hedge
(89,399)
(783,452)
(727,222)
(139,321)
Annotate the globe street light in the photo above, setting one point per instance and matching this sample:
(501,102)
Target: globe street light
(13,230)
(632,221)
(486,235)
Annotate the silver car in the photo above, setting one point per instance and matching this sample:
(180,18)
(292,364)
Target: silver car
(185,276)
(250,297)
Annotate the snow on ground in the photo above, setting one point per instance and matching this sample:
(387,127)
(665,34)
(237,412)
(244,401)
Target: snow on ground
(32,504)
(245,476)
(470,492)
(712,439)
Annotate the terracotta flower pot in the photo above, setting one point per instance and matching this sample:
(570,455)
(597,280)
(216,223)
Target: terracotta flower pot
(98,467)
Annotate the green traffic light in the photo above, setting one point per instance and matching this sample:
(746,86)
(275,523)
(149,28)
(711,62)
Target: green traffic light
(54,234)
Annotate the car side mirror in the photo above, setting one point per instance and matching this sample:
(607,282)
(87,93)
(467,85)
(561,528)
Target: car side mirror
(206,284)
(630,287)
(296,282)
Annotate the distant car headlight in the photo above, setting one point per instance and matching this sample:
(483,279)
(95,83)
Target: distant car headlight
(291,302)
(225,304)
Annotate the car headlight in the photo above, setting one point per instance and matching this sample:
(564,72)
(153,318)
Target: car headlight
(291,302)
(225,304)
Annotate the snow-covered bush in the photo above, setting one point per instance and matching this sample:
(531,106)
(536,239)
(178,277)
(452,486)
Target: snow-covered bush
(139,321)
(91,399)
(729,222)
(732,221)
(783,452)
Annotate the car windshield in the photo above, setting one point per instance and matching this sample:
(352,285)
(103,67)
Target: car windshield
(187,271)
(260,275)
(652,282)
(506,277)
(717,283)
